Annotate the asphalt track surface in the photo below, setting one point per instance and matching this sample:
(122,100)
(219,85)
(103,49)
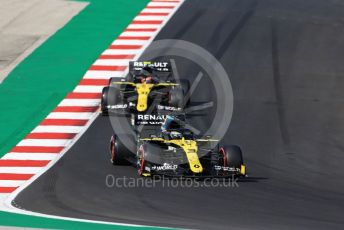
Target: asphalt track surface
(285,61)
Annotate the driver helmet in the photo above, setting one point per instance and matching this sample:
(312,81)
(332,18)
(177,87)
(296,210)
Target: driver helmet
(149,79)
(175,135)
(146,74)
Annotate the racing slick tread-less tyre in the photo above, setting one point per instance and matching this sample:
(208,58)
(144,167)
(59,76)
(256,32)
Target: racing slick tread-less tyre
(115,79)
(232,156)
(119,153)
(147,154)
(141,161)
(110,96)
(176,97)
(104,101)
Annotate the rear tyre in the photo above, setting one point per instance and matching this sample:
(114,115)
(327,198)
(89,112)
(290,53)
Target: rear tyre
(144,158)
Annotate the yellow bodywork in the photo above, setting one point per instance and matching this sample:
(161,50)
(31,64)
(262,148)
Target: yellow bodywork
(190,148)
(243,170)
(146,174)
(143,90)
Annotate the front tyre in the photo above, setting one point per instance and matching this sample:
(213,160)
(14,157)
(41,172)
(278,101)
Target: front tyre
(232,158)
(118,152)
(142,163)
(110,96)
(176,97)
(114,80)
(104,101)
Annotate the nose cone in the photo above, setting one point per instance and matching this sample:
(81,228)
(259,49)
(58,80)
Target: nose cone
(191,149)
(141,107)
(143,91)
(195,164)
(197,168)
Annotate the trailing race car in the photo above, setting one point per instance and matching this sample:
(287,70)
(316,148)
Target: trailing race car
(177,152)
(147,84)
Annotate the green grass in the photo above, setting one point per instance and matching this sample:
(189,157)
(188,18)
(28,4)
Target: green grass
(17,220)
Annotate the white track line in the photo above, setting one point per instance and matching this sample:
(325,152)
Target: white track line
(21,170)
(80,102)
(57,129)
(11,183)
(163,4)
(147,10)
(136,34)
(29,156)
(3,196)
(69,115)
(144,26)
(122,52)
(89,89)
(103,74)
(45,142)
(129,42)
(111,62)
(154,18)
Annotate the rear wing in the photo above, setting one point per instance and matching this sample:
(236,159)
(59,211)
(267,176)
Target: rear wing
(158,67)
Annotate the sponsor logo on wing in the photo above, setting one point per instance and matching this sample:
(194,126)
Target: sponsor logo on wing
(118,106)
(168,108)
(165,166)
(228,169)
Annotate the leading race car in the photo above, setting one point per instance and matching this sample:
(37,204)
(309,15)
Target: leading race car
(177,152)
(147,84)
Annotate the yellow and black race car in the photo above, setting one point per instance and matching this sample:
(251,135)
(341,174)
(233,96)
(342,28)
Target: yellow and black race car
(177,152)
(147,85)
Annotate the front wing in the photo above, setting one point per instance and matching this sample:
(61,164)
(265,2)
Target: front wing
(183,171)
